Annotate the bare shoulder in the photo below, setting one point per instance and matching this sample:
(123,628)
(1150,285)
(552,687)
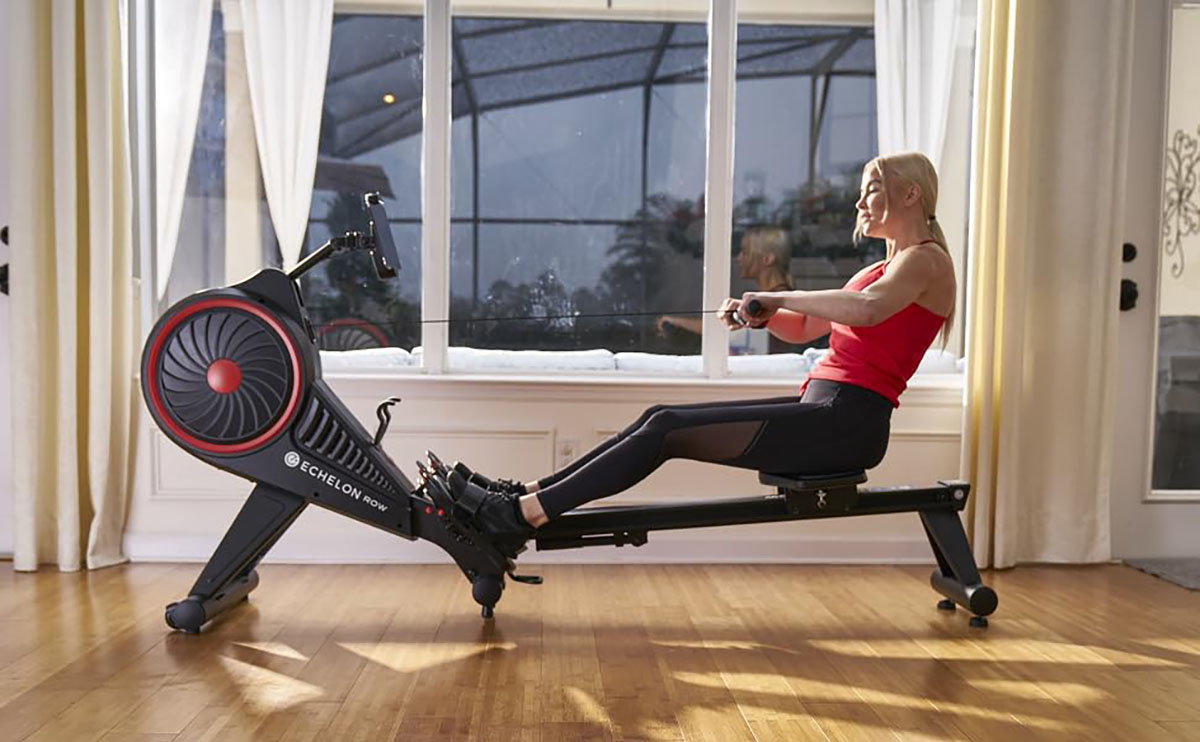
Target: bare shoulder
(927,263)
(928,257)
(935,268)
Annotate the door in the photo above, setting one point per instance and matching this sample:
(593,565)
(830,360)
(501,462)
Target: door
(1156,461)
(6,502)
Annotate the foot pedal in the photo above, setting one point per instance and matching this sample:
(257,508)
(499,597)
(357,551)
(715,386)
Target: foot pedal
(436,464)
(436,491)
(527,579)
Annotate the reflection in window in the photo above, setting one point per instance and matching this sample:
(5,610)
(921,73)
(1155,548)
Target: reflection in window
(370,142)
(805,126)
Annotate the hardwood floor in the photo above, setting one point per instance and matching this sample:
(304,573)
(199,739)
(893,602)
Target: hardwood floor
(686,652)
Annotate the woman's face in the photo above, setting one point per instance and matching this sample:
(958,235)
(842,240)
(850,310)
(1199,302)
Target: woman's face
(746,260)
(871,203)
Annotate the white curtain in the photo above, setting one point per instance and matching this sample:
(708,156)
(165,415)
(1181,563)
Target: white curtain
(181,31)
(914,56)
(287,54)
(1051,121)
(72,282)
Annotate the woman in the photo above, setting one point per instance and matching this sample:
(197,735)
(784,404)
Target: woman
(880,325)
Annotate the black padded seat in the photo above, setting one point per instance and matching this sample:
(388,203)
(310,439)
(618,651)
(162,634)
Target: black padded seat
(833,480)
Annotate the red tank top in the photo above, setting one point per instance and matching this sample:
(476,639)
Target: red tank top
(881,357)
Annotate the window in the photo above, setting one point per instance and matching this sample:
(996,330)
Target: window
(578,173)
(577,180)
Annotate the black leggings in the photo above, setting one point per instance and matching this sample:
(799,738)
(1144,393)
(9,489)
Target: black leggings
(834,427)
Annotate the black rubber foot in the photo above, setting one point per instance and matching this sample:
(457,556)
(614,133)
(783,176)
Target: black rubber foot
(979,622)
(486,591)
(186,616)
(487,612)
(946,605)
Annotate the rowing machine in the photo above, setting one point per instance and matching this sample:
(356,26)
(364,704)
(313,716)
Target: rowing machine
(233,376)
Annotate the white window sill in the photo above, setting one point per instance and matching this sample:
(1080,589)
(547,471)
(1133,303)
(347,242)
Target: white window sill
(921,380)
(524,368)
(924,390)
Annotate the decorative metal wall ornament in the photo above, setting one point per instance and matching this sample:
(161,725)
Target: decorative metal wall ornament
(1181,214)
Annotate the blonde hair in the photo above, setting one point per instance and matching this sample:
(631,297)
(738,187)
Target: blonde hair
(915,168)
(771,241)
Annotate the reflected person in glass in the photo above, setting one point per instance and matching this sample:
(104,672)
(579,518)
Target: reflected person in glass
(880,324)
(764,258)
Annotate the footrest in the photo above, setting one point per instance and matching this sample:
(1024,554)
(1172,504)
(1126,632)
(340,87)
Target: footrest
(836,480)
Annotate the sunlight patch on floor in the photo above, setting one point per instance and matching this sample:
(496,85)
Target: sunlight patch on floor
(279,649)
(821,692)
(266,691)
(413,656)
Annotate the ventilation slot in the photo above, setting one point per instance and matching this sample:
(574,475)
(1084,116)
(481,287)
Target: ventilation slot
(320,433)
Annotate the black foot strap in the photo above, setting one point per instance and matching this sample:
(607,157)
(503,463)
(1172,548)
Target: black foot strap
(469,500)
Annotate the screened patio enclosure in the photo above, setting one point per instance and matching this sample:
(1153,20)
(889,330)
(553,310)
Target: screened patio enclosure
(611,220)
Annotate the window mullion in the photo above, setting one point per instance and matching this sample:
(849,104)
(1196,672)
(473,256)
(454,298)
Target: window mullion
(141,118)
(435,187)
(718,187)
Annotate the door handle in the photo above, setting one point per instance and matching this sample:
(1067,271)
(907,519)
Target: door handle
(1129,288)
(1129,294)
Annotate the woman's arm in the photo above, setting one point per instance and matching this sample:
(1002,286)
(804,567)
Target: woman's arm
(793,327)
(691,324)
(909,275)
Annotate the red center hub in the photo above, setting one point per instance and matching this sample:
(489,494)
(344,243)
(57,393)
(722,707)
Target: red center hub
(224,376)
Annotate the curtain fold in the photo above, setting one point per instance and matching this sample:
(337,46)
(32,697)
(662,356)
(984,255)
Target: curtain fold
(72,283)
(1051,100)
(914,65)
(287,55)
(181,34)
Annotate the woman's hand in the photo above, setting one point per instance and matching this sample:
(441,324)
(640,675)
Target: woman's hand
(728,313)
(766,300)
(660,325)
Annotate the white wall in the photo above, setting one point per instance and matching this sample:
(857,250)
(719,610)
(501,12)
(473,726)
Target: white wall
(6,501)
(525,429)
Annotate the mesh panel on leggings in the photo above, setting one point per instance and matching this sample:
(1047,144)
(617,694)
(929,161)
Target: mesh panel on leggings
(713,442)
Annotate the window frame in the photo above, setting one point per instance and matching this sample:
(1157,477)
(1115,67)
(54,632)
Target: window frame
(722,17)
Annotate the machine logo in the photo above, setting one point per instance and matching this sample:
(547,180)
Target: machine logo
(331,480)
